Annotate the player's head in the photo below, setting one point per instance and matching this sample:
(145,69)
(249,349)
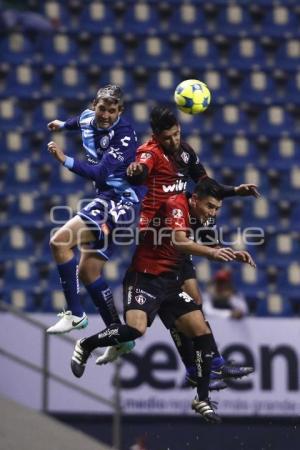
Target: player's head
(165,128)
(108,105)
(206,199)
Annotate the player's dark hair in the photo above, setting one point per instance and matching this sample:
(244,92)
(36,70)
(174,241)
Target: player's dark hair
(208,187)
(161,119)
(111,93)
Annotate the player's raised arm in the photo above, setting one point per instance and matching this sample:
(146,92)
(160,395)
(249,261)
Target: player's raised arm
(185,245)
(57,152)
(71,124)
(55,125)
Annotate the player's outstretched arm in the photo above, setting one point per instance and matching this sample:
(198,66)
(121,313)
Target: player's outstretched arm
(98,172)
(57,152)
(244,257)
(181,242)
(245,190)
(137,173)
(55,125)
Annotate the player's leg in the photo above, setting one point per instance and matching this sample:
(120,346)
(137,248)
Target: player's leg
(138,315)
(91,266)
(194,327)
(90,273)
(180,311)
(73,233)
(184,345)
(221,369)
(113,336)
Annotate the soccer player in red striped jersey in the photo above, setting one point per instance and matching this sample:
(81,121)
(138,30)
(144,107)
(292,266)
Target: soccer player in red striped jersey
(153,284)
(165,164)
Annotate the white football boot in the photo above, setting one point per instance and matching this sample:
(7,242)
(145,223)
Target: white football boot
(113,352)
(67,323)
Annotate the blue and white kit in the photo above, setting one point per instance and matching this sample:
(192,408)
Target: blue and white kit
(109,151)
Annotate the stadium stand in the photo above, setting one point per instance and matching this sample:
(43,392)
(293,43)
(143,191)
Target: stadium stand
(249,56)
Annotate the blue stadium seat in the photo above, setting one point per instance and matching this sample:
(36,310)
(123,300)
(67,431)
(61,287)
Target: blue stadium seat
(230,119)
(199,52)
(279,21)
(16,242)
(97,17)
(20,274)
(161,84)
(56,13)
(281,247)
(219,86)
(107,49)
(274,305)
(239,150)
(24,82)
(59,49)
(246,53)
(26,208)
(140,18)
(22,299)
(274,121)
(233,20)
(10,114)
(122,77)
(70,82)
(283,151)
(187,19)
(45,112)
(288,54)
(293,88)
(16,48)
(153,51)
(15,146)
(258,87)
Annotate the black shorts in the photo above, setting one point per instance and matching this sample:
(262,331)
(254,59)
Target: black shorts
(157,294)
(188,269)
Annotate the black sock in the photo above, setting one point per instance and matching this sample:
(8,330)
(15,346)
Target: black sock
(112,335)
(185,348)
(204,353)
(215,347)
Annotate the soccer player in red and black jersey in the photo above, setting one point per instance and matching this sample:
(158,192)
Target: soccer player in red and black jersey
(153,284)
(165,164)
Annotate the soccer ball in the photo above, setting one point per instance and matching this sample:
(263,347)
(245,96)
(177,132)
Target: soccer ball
(192,96)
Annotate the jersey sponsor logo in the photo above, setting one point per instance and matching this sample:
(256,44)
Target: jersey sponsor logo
(185,157)
(104,142)
(129,295)
(177,213)
(125,141)
(108,333)
(186,297)
(144,156)
(140,299)
(178,186)
(141,291)
(116,153)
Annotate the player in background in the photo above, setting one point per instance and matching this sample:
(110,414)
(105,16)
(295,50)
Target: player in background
(110,145)
(165,164)
(153,284)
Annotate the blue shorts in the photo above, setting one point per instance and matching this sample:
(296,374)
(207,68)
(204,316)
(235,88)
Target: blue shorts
(114,224)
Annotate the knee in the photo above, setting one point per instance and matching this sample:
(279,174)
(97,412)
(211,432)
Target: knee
(88,273)
(58,243)
(137,320)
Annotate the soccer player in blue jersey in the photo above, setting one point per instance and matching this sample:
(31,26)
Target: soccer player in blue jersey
(110,145)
